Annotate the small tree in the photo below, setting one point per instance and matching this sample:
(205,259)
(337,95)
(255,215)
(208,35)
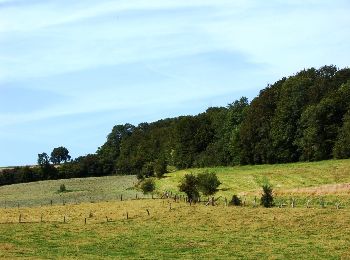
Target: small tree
(63,188)
(208,183)
(60,154)
(189,185)
(236,201)
(148,186)
(43,159)
(267,196)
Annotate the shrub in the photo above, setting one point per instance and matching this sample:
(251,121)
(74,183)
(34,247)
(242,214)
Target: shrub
(148,170)
(189,185)
(267,196)
(63,188)
(236,201)
(148,186)
(208,183)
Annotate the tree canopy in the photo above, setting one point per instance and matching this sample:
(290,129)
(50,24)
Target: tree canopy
(303,117)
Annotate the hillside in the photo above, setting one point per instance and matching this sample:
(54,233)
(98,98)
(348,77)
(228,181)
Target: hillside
(303,117)
(329,179)
(162,228)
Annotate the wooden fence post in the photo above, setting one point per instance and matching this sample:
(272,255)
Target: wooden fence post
(308,203)
(293,203)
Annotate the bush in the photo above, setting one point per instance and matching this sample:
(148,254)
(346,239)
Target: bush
(63,188)
(148,186)
(208,183)
(148,170)
(189,185)
(267,196)
(236,201)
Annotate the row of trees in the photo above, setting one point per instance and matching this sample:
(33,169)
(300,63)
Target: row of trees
(305,117)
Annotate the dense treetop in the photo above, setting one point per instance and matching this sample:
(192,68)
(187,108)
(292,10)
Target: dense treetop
(304,117)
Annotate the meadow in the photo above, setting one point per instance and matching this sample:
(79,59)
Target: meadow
(95,224)
(182,231)
(78,190)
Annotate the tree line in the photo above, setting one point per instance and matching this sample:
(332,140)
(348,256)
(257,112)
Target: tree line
(303,117)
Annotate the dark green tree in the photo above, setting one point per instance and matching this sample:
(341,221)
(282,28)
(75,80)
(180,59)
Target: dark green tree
(267,196)
(189,185)
(160,167)
(342,145)
(60,154)
(43,159)
(208,183)
(236,201)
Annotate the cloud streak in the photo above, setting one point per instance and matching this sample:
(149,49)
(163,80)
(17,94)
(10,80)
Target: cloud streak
(62,59)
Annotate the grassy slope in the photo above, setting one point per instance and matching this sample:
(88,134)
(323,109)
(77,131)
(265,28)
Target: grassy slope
(283,177)
(184,231)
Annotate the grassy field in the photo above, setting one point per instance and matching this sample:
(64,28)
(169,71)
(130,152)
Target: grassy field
(79,190)
(123,229)
(184,231)
(326,179)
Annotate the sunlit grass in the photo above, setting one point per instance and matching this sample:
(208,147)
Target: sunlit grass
(283,177)
(180,232)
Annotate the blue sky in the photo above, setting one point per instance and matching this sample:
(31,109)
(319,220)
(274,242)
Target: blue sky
(71,70)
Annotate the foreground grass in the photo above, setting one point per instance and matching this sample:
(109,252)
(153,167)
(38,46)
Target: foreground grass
(187,232)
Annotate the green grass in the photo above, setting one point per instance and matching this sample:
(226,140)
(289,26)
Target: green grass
(182,231)
(80,190)
(283,177)
(186,232)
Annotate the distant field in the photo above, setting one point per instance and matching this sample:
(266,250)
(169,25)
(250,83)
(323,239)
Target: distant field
(329,179)
(184,231)
(79,190)
(303,181)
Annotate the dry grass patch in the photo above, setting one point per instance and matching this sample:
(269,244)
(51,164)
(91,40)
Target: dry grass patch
(180,232)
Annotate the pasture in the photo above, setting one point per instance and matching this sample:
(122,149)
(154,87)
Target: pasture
(93,223)
(78,191)
(182,231)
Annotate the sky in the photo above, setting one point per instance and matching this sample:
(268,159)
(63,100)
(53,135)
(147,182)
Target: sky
(71,70)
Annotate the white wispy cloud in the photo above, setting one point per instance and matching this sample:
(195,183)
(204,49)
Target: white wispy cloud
(86,57)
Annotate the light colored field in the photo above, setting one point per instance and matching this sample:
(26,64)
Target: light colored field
(79,190)
(186,232)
